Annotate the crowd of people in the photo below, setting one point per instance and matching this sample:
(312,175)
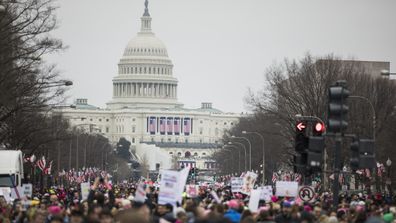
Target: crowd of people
(108,203)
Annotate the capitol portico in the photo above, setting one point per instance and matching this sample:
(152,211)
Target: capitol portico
(144,109)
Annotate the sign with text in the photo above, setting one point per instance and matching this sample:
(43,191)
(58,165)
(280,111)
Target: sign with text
(248,182)
(286,188)
(236,184)
(85,190)
(172,186)
(254,200)
(266,193)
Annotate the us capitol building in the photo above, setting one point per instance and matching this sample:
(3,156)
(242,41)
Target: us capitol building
(145,110)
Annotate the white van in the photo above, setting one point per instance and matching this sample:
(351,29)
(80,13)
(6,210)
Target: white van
(11,168)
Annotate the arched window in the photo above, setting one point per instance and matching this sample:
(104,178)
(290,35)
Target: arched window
(179,154)
(170,153)
(195,154)
(203,154)
(187,154)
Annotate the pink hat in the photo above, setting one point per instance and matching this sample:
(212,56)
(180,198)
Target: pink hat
(307,208)
(233,204)
(54,209)
(274,199)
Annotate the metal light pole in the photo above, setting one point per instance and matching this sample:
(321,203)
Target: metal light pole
(232,158)
(372,110)
(262,140)
(250,149)
(389,181)
(239,156)
(244,148)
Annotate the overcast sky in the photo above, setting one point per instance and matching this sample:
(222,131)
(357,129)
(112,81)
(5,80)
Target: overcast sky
(219,48)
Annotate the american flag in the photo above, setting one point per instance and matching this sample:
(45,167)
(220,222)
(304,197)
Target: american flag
(169,126)
(152,125)
(48,168)
(380,169)
(297,177)
(274,177)
(187,126)
(41,163)
(177,126)
(162,125)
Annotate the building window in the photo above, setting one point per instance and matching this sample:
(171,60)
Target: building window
(225,123)
(100,120)
(203,154)
(195,154)
(133,119)
(177,140)
(133,140)
(169,140)
(187,154)
(201,121)
(186,140)
(179,154)
(107,120)
(107,129)
(162,140)
(152,139)
(133,128)
(231,123)
(90,119)
(200,141)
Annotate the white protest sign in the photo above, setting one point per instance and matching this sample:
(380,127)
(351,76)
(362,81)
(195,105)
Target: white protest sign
(170,188)
(140,195)
(181,181)
(27,190)
(6,192)
(266,193)
(85,190)
(236,184)
(254,200)
(248,182)
(287,188)
(192,190)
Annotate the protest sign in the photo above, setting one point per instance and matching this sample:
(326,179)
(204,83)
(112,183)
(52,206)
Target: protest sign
(236,184)
(85,190)
(172,186)
(248,182)
(140,195)
(266,193)
(192,190)
(254,200)
(27,190)
(286,188)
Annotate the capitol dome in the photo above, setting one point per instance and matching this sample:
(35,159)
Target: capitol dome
(145,72)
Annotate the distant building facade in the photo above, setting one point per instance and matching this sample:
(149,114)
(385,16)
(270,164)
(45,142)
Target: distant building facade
(144,109)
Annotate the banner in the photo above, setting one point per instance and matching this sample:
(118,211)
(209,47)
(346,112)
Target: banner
(152,125)
(176,126)
(169,126)
(287,188)
(27,190)
(248,182)
(236,184)
(187,126)
(162,125)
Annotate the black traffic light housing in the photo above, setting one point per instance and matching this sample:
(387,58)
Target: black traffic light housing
(362,154)
(354,159)
(337,109)
(315,153)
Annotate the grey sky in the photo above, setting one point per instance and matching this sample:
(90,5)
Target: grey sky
(218,48)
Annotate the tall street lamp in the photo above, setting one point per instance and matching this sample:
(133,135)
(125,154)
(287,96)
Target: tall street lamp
(239,156)
(262,140)
(250,149)
(389,181)
(232,158)
(244,148)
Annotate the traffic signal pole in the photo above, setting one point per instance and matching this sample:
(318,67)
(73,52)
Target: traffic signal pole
(337,167)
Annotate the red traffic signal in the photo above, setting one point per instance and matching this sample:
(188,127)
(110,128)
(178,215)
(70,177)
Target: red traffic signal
(319,128)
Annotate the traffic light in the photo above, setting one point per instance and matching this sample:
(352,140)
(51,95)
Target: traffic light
(315,153)
(301,140)
(301,146)
(318,128)
(337,109)
(367,154)
(354,160)
(362,154)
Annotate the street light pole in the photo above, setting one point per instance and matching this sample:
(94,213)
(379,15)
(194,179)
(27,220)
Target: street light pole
(239,156)
(262,140)
(232,158)
(372,110)
(244,148)
(250,149)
